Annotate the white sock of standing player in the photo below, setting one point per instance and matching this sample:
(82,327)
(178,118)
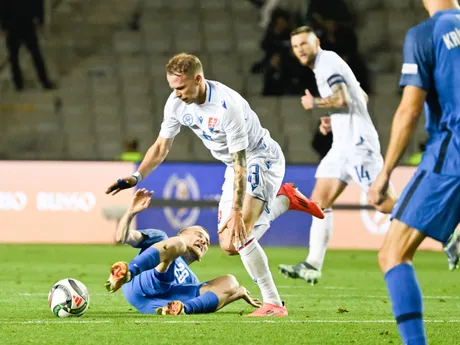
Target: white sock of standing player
(256,263)
(279,206)
(320,234)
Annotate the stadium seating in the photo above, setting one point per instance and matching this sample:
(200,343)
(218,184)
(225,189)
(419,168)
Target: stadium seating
(112,83)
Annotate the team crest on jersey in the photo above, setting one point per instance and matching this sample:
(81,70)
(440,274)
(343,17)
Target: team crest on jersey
(188,119)
(212,122)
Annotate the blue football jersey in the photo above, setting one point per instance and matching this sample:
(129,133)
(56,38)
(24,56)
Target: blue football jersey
(431,62)
(182,272)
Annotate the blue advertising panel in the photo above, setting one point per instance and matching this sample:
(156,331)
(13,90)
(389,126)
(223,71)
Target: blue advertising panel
(203,181)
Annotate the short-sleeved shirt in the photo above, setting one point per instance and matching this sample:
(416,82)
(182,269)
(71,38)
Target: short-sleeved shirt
(354,125)
(225,122)
(431,62)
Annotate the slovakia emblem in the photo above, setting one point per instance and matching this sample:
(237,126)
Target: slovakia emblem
(212,122)
(188,119)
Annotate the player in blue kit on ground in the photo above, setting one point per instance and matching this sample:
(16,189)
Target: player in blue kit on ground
(430,204)
(159,279)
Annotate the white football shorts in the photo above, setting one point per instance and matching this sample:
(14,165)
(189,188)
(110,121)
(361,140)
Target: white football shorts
(360,164)
(264,178)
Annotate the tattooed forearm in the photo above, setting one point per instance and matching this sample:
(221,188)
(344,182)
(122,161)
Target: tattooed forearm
(239,184)
(339,101)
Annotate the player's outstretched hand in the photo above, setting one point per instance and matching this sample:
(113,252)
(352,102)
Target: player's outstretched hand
(140,201)
(379,189)
(246,295)
(122,183)
(236,229)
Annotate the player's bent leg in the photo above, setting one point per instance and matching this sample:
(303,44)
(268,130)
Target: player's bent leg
(223,287)
(254,259)
(325,192)
(160,255)
(299,202)
(399,245)
(395,258)
(214,295)
(252,209)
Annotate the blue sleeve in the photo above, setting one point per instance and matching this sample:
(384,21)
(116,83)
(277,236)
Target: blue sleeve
(418,57)
(151,236)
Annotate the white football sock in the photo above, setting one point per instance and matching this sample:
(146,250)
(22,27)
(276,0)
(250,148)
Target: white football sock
(320,234)
(260,230)
(278,207)
(256,263)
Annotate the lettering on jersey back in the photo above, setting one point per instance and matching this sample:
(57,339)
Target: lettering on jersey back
(452,39)
(181,273)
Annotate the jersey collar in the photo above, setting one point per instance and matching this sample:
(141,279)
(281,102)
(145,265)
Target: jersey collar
(317,59)
(208,92)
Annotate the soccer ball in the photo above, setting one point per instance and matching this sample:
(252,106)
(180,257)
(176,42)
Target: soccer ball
(68,297)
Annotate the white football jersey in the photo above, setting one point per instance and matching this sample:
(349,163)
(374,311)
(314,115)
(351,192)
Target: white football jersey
(225,122)
(355,126)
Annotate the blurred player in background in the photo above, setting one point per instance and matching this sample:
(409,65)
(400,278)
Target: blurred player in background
(355,152)
(229,128)
(430,203)
(159,279)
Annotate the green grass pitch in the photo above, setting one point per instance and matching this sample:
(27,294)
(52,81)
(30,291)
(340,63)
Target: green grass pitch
(349,306)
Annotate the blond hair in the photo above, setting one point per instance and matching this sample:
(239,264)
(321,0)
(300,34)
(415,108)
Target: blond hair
(301,30)
(184,63)
(193,226)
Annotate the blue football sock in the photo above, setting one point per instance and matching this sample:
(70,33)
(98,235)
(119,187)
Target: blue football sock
(148,260)
(406,298)
(206,303)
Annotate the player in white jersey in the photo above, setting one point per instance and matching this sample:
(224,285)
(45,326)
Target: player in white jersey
(229,128)
(355,152)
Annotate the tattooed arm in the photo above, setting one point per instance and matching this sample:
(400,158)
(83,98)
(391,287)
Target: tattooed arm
(239,184)
(338,102)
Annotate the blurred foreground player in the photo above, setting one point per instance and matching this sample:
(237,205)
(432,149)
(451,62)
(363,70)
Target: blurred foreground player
(231,130)
(159,279)
(430,203)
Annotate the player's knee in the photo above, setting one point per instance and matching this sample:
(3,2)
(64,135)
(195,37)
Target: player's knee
(228,248)
(231,284)
(389,258)
(226,244)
